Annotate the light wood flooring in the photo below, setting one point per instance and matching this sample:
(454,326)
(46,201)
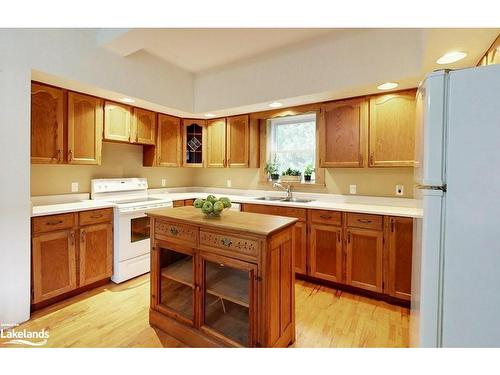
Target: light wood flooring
(117,316)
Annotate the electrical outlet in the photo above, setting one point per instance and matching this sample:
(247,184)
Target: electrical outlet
(399,190)
(74,187)
(352,189)
(163,182)
(228,183)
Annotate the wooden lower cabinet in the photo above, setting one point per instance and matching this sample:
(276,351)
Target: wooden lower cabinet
(326,252)
(364,259)
(70,251)
(399,234)
(95,253)
(53,264)
(300,248)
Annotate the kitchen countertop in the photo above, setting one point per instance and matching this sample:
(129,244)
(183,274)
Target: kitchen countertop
(60,208)
(368,208)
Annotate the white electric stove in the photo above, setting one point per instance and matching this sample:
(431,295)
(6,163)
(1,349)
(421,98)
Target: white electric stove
(131,225)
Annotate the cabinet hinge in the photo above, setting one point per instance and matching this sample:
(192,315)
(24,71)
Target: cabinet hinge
(259,278)
(383,285)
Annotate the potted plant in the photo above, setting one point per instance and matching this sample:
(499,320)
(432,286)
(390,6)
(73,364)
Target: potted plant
(308,173)
(272,169)
(291,175)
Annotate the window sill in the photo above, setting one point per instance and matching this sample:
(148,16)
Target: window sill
(305,185)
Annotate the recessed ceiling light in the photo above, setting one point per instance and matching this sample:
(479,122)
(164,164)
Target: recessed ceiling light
(388,86)
(275,105)
(209,115)
(127,100)
(451,57)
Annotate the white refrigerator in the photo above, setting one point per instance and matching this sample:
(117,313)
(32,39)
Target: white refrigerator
(456,250)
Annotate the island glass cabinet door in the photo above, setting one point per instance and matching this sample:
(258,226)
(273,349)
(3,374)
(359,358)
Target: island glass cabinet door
(229,289)
(176,283)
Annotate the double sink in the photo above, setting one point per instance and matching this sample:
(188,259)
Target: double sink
(279,199)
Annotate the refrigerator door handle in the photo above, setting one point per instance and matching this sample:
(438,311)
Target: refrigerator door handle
(431,187)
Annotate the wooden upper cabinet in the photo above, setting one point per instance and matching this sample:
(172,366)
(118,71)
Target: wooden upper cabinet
(53,264)
(194,138)
(392,130)
(169,141)
(364,259)
(238,133)
(117,122)
(399,235)
(143,127)
(47,124)
(216,143)
(343,133)
(85,119)
(96,253)
(326,252)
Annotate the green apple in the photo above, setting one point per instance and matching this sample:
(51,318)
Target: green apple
(198,203)
(207,207)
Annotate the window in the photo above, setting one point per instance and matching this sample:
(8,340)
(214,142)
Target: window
(293,141)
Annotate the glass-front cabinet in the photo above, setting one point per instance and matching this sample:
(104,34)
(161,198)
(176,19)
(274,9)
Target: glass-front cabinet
(176,278)
(228,299)
(194,148)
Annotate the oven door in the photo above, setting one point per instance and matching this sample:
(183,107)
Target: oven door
(133,234)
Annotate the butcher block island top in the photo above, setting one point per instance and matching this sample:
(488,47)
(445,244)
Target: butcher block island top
(223,281)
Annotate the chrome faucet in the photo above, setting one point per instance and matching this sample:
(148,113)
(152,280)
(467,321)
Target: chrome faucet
(288,190)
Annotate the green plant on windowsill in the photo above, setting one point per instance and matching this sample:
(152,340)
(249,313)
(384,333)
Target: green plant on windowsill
(308,171)
(272,169)
(291,175)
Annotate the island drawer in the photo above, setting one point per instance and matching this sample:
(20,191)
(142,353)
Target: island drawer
(52,223)
(229,243)
(104,215)
(367,221)
(299,213)
(181,233)
(326,217)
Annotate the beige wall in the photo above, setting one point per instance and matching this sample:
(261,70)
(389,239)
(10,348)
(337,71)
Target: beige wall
(118,160)
(369,181)
(123,160)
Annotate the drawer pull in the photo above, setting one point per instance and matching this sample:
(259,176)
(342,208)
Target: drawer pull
(326,217)
(54,222)
(364,221)
(226,242)
(96,216)
(222,264)
(174,231)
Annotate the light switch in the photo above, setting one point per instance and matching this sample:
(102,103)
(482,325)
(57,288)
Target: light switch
(399,189)
(352,189)
(163,182)
(74,187)
(228,183)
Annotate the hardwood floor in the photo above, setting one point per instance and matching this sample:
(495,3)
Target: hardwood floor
(117,316)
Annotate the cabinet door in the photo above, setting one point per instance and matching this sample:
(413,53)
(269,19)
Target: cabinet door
(54,265)
(392,130)
(237,141)
(85,118)
(174,283)
(169,141)
(143,127)
(229,289)
(47,124)
(364,260)
(300,248)
(117,122)
(326,252)
(343,133)
(216,143)
(193,142)
(96,253)
(400,243)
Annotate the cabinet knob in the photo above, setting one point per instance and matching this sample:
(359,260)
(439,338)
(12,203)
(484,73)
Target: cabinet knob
(70,155)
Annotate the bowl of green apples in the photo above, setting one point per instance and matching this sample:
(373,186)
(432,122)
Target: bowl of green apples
(212,206)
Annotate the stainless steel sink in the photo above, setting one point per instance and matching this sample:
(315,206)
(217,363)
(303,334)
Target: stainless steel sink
(293,200)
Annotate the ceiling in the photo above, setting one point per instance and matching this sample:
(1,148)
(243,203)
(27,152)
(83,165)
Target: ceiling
(198,50)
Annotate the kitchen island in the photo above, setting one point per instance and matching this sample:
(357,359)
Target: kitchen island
(223,281)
